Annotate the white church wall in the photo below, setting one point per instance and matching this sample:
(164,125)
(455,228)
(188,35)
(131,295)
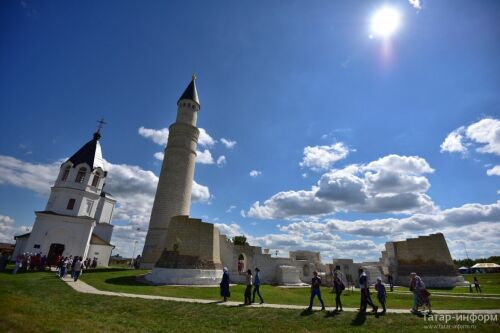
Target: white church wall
(101,252)
(53,229)
(104,231)
(104,210)
(20,247)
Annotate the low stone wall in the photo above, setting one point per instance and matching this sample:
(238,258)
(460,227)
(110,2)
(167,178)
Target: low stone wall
(176,276)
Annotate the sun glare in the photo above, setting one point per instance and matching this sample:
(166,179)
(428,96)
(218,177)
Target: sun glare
(385,22)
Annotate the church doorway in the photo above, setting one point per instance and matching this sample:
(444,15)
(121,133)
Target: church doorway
(55,251)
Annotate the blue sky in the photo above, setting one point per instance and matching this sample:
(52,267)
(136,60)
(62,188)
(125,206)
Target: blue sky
(397,137)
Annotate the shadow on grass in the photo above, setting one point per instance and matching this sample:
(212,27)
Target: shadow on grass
(126,281)
(359,319)
(331,314)
(106,270)
(306,312)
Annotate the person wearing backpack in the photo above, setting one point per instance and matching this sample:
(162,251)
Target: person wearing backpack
(338,287)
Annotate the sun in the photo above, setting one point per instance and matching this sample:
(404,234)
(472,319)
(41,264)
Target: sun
(385,22)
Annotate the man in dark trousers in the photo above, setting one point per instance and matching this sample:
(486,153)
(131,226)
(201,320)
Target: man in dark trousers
(256,286)
(365,293)
(316,291)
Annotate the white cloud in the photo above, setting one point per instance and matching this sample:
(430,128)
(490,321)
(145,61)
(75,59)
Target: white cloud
(390,184)
(228,143)
(159,155)
(158,136)
(487,132)
(36,177)
(495,171)
(319,158)
(255,173)
(7,229)
(221,160)
(205,139)
(453,142)
(415,4)
(483,134)
(230,209)
(230,230)
(204,157)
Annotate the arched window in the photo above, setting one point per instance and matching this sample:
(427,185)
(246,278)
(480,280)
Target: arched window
(66,173)
(80,177)
(71,204)
(95,180)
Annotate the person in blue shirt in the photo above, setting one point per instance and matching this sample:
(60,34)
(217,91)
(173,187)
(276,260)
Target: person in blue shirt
(256,286)
(316,291)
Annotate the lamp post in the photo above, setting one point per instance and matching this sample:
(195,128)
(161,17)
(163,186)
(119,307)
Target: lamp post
(133,254)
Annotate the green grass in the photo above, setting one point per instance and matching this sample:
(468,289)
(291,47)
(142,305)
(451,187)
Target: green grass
(120,280)
(40,302)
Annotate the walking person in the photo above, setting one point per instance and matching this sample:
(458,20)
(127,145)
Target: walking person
(248,289)
(63,268)
(381,294)
(224,285)
(256,286)
(338,287)
(423,295)
(365,293)
(77,268)
(413,282)
(390,279)
(19,264)
(316,291)
(476,285)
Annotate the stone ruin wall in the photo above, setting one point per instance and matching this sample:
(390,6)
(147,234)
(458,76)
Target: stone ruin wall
(191,243)
(428,256)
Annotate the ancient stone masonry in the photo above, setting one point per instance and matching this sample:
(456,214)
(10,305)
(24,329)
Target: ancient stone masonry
(428,256)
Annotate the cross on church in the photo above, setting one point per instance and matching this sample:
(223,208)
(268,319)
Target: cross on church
(101,125)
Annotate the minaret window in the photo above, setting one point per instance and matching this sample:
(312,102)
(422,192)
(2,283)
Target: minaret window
(95,180)
(80,177)
(71,204)
(66,173)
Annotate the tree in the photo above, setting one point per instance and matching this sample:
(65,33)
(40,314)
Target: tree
(240,240)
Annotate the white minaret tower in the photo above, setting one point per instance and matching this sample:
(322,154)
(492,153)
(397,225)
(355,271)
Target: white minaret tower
(173,194)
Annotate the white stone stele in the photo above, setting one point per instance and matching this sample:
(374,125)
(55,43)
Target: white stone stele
(181,276)
(289,275)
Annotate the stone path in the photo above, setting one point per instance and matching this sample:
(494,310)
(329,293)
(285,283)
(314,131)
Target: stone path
(83,287)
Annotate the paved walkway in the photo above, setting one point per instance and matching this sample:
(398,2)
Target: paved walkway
(83,287)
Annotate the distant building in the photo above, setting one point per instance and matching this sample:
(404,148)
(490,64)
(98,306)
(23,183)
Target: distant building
(77,218)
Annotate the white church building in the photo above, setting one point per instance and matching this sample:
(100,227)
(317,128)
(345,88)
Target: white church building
(77,218)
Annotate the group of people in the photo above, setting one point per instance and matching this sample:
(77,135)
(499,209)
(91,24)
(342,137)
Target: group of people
(252,286)
(339,287)
(31,262)
(74,266)
(64,265)
(421,297)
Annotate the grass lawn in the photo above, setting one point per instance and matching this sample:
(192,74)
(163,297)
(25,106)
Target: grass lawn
(124,280)
(40,302)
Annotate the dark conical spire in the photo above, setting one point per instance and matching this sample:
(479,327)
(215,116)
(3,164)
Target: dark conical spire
(191,92)
(90,153)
